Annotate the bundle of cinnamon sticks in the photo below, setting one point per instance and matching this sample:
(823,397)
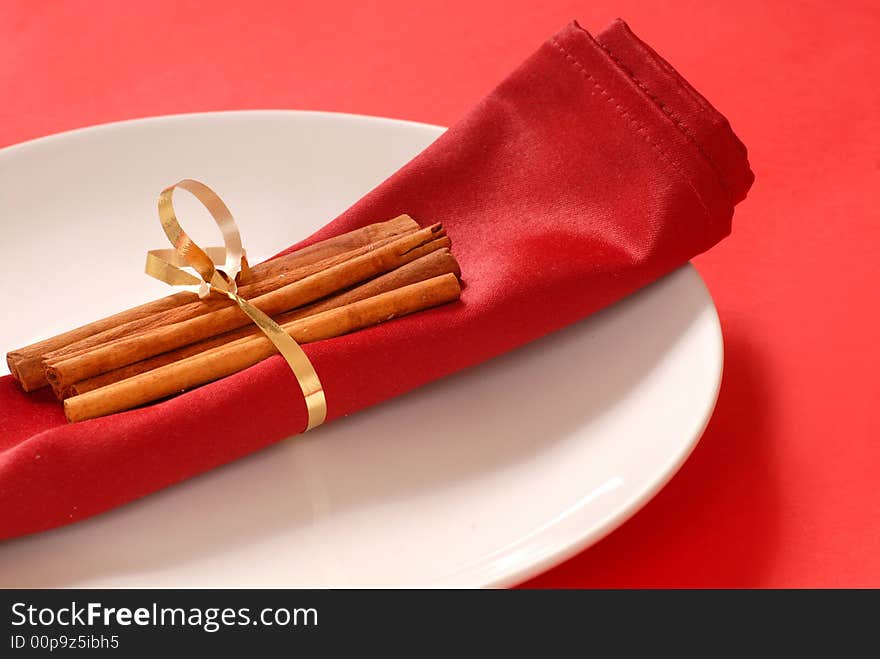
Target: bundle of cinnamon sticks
(339,285)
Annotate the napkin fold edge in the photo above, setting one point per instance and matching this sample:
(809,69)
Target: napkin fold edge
(686,109)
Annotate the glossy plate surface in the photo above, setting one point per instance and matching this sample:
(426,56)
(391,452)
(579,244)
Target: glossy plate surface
(476,480)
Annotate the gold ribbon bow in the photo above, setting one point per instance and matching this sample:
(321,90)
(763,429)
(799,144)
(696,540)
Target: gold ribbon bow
(167,265)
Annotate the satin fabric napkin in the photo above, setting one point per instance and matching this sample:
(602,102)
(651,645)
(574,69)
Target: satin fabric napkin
(592,170)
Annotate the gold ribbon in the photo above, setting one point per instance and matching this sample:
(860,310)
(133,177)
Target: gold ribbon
(167,265)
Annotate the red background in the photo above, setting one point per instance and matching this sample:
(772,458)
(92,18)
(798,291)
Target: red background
(782,489)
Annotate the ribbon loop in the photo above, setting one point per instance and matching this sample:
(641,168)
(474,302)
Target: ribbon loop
(220,270)
(165,267)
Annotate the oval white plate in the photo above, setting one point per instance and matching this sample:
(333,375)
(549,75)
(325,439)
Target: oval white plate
(476,480)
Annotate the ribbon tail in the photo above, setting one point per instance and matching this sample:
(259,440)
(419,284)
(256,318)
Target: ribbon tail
(316,401)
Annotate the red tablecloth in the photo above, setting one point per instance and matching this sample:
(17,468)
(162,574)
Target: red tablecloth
(783,488)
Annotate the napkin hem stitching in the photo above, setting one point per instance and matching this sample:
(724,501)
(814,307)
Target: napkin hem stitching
(673,115)
(625,114)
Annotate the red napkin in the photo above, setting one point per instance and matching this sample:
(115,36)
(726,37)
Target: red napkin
(592,170)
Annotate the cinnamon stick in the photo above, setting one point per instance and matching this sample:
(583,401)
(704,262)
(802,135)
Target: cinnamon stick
(25,363)
(238,355)
(162,339)
(431,265)
(184,312)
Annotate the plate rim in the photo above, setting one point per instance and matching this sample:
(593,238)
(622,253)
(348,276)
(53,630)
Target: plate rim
(267,112)
(638,500)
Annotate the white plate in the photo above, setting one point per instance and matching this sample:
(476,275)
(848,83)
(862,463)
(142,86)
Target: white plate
(476,480)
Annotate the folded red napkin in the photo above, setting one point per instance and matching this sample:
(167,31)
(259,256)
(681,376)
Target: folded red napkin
(592,170)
